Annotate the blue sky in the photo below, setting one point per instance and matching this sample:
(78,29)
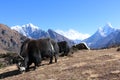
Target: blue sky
(84,16)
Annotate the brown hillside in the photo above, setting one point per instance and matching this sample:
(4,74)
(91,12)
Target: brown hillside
(83,65)
(10,40)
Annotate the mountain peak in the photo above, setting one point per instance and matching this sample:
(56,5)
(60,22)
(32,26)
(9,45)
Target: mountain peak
(104,37)
(31,25)
(50,30)
(106,30)
(109,25)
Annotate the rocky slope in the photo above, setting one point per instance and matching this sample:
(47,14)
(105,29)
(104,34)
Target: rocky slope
(10,40)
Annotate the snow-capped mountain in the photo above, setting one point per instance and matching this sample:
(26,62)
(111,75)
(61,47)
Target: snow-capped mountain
(104,37)
(112,40)
(73,34)
(101,37)
(106,30)
(30,31)
(35,32)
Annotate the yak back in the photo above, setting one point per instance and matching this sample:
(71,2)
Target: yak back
(82,45)
(33,47)
(34,52)
(45,47)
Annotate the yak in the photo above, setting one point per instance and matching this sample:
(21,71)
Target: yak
(82,46)
(35,50)
(64,48)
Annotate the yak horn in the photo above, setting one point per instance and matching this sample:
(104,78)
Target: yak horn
(21,57)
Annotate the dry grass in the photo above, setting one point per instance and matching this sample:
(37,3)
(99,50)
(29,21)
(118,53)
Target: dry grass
(83,65)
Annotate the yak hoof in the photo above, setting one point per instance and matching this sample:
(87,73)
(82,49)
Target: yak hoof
(50,62)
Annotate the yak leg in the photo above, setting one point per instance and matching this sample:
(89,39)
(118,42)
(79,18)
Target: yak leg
(51,58)
(28,64)
(37,60)
(56,57)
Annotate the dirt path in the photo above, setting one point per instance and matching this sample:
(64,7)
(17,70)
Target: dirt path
(83,65)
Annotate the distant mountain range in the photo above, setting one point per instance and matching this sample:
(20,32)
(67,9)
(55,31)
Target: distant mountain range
(32,31)
(11,38)
(104,37)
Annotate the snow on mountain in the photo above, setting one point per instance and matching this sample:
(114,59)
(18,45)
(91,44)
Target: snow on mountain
(73,34)
(30,31)
(97,39)
(19,29)
(106,30)
(112,40)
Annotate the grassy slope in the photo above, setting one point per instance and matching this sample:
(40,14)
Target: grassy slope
(83,65)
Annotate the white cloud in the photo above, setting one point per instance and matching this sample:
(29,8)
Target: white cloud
(73,34)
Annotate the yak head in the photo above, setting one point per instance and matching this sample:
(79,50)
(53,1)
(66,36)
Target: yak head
(23,57)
